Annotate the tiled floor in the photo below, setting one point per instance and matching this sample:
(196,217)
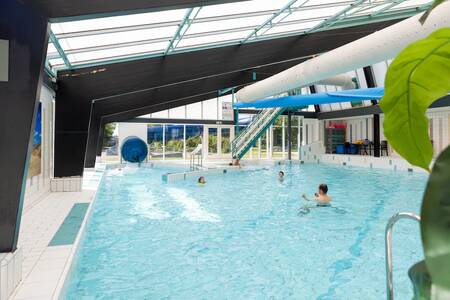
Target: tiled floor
(45,266)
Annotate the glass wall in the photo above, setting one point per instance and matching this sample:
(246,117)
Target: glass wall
(173,141)
(174,136)
(212,140)
(273,143)
(155,140)
(226,140)
(278,138)
(194,136)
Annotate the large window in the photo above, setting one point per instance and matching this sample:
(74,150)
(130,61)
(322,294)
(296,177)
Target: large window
(194,136)
(155,140)
(174,135)
(226,140)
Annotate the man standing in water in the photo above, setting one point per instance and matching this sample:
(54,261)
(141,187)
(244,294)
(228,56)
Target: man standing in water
(321,197)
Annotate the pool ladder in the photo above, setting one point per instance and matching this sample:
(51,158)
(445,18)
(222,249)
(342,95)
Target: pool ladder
(196,158)
(388,239)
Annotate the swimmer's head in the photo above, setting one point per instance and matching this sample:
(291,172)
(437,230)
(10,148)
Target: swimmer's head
(201,180)
(323,189)
(281,174)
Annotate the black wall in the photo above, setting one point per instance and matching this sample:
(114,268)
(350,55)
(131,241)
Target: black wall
(26,30)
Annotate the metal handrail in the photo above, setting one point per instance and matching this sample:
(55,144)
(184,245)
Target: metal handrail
(388,244)
(196,152)
(256,121)
(260,121)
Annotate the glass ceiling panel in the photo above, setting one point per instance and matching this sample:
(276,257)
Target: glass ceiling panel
(412,3)
(319,2)
(227,24)
(124,37)
(51,48)
(197,41)
(314,13)
(240,7)
(282,28)
(118,37)
(119,21)
(112,53)
(56,62)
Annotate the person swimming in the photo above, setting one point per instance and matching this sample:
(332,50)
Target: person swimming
(201,180)
(321,197)
(281,176)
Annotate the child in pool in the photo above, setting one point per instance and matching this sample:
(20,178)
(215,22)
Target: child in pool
(321,197)
(281,176)
(201,180)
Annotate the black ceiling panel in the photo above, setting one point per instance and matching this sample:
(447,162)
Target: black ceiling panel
(68,10)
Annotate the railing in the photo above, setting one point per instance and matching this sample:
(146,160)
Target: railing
(256,120)
(196,154)
(389,227)
(258,124)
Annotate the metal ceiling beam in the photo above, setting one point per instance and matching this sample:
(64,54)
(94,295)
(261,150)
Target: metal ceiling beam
(179,29)
(269,21)
(328,21)
(370,5)
(386,16)
(349,21)
(168,38)
(115,29)
(384,10)
(185,27)
(387,7)
(196,21)
(346,22)
(60,50)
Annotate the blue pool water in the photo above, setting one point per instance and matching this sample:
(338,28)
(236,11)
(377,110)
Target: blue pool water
(241,236)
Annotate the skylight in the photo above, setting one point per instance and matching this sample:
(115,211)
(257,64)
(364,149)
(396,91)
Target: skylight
(114,39)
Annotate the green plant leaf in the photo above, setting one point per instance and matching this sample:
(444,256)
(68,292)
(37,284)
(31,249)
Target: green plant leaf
(435,226)
(416,78)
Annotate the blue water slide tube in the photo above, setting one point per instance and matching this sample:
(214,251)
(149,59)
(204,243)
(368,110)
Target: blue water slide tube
(134,149)
(320,98)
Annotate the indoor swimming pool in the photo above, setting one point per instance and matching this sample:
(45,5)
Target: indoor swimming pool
(243,235)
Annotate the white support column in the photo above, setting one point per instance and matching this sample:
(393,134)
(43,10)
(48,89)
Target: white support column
(164,142)
(271,141)
(267,143)
(299,142)
(283,137)
(219,140)
(184,142)
(259,148)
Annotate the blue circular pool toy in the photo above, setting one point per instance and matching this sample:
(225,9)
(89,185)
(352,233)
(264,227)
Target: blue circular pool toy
(134,149)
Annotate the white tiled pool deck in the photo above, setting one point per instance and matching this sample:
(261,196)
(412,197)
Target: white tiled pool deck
(44,267)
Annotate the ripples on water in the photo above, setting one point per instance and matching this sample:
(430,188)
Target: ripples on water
(244,236)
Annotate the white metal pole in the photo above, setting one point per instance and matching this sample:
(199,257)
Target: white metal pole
(283,135)
(184,142)
(259,148)
(164,141)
